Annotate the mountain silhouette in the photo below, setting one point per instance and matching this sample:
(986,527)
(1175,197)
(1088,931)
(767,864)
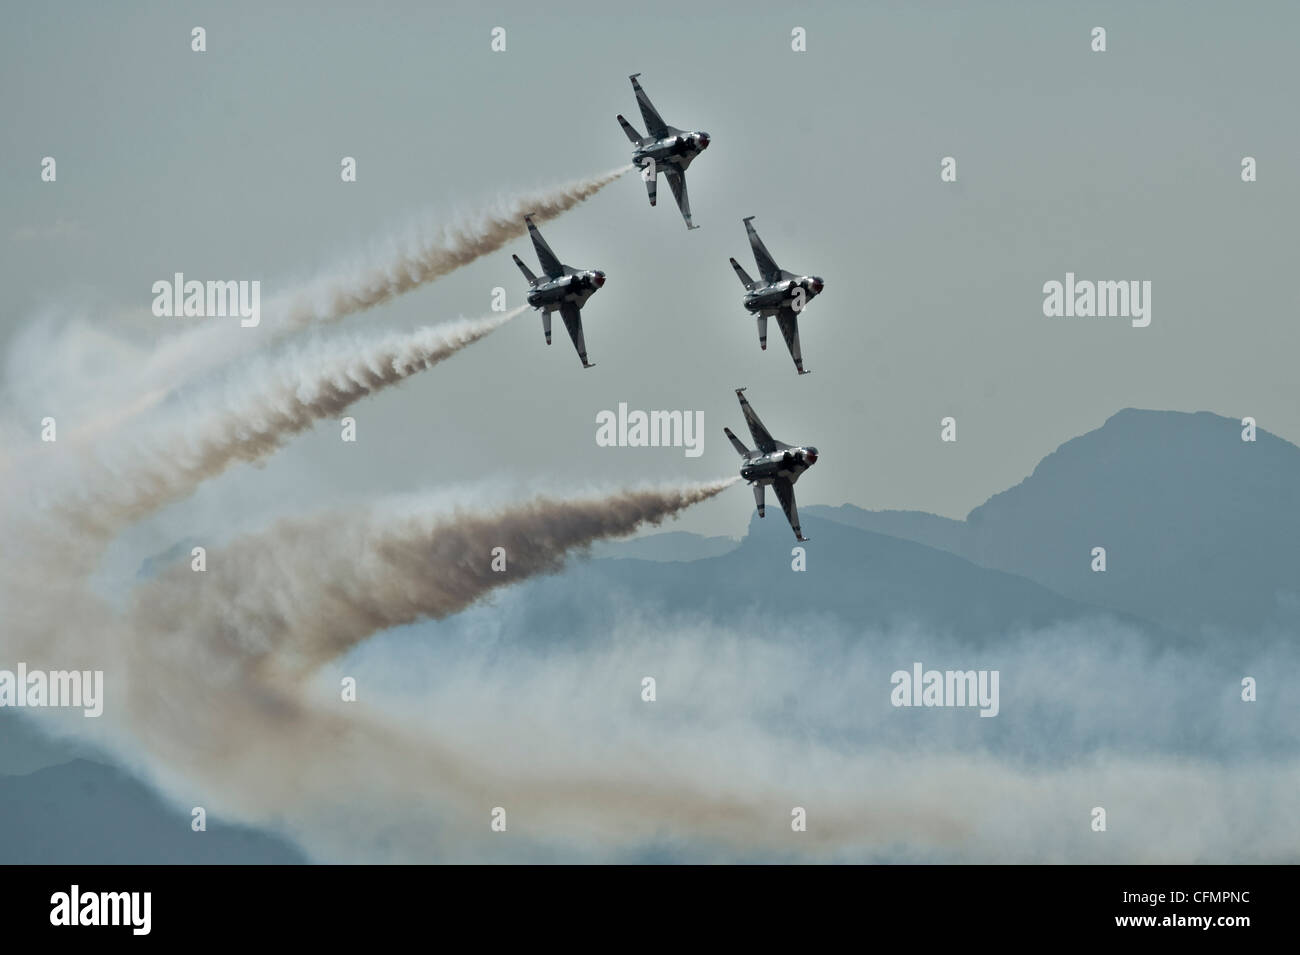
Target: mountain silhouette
(86,813)
(1201,529)
(856,581)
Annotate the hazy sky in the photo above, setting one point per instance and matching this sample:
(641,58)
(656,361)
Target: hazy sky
(1115,165)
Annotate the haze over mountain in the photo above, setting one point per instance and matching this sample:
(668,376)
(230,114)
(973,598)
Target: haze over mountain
(1201,528)
(856,580)
(86,813)
(1144,660)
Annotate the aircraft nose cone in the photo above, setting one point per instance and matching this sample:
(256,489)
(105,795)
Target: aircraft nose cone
(600,279)
(704,140)
(811,456)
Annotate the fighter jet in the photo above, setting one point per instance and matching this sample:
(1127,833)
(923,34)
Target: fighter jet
(781,293)
(563,288)
(773,463)
(666,148)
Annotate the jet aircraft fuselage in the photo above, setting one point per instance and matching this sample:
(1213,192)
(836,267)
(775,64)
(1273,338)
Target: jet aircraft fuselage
(559,288)
(788,463)
(776,293)
(772,464)
(678,149)
(551,293)
(665,149)
(784,293)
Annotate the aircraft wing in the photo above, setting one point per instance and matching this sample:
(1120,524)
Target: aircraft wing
(766,266)
(655,124)
(762,437)
(789,322)
(572,316)
(550,264)
(677,182)
(785,494)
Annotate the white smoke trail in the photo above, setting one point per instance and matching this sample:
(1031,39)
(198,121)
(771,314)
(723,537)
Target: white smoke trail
(66,514)
(110,398)
(422,260)
(218,659)
(208,672)
(308,590)
(394,267)
(271,400)
(198,684)
(214,663)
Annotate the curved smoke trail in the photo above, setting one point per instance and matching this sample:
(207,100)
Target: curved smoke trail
(423,260)
(258,411)
(208,670)
(402,265)
(396,266)
(217,662)
(306,591)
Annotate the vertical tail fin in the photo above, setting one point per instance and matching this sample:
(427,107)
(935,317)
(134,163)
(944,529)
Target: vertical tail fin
(758,499)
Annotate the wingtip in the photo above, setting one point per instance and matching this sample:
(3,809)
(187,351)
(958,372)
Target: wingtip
(634,76)
(748,219)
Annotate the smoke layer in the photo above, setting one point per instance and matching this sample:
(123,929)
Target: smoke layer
(217,661)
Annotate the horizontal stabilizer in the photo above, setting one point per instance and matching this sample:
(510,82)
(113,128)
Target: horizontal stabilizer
(528,273)
(736,443)
(741,274)
(636,138)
